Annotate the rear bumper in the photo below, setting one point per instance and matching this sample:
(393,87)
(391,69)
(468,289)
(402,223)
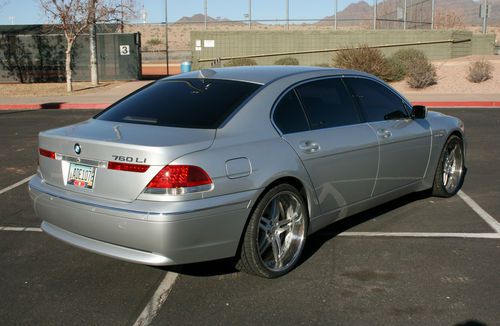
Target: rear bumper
(166,233)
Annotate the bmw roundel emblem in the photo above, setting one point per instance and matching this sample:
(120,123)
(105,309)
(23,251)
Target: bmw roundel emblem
(77,149)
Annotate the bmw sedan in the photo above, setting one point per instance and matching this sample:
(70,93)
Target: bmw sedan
(239,162)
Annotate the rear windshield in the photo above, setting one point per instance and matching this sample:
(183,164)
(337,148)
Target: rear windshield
(187,103)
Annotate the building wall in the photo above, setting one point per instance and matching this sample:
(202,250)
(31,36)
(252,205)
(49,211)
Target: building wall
(241,43)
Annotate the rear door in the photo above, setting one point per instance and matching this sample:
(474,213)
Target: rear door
(404,142)
(318,119)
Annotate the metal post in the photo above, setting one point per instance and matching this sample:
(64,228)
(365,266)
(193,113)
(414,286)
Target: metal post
(166,36)
(404,16)
(287,14)
(206,14)
(433,8)
(336,11)
(375,15)
(250,14)
(484,12)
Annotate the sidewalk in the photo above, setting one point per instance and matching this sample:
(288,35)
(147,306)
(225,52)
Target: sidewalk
(101,100)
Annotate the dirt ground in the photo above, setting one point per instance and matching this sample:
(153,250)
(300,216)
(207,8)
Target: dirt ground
(452,79)
(54,89)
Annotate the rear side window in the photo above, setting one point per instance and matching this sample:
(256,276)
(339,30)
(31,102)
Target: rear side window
(289,116)
(327,103)
(377,102)
(189,103)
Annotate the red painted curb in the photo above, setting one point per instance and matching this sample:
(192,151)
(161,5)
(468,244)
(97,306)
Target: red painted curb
(54,106)
(101,106)
(458,104)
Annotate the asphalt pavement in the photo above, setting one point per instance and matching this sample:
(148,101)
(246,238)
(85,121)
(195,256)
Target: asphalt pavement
(416,260)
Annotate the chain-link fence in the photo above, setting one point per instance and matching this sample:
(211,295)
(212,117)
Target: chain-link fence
(373,15)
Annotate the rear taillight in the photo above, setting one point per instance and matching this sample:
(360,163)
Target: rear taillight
(46,153)
(141,168)
(179,180)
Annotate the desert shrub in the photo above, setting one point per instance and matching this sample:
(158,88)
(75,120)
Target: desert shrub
(240,62)
(422,74)
(154,42)
(397,70)
(363,58)
(480,71)
(287,61)
(409,57)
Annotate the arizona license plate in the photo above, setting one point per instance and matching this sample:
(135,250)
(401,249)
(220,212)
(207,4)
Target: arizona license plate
(81,175)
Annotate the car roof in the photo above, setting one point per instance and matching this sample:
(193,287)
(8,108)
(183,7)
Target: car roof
(259,74)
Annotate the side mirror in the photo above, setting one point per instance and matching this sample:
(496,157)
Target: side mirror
(419,112)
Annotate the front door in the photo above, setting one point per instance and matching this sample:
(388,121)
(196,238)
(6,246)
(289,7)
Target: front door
(404,143)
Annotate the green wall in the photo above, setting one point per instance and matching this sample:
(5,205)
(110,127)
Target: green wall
(241,43)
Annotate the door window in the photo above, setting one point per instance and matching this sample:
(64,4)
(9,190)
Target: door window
(377,102)
(327,103)
(289,116)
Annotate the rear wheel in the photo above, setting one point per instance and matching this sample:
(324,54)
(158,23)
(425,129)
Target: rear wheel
(450,170)
(276,233)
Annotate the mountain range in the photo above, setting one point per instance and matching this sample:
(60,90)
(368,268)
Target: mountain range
(467,12)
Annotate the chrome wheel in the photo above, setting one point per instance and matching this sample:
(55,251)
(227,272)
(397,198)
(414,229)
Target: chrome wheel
(453,167)
(281,232)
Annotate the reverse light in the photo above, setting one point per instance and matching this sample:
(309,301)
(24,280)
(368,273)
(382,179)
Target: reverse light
(47,153)
(180,180)
(140,168)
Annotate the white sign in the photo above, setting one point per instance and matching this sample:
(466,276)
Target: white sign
(198,43)
(124,49)
(197,48)
(209,43)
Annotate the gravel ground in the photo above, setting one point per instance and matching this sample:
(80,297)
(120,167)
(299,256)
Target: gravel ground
(452,79)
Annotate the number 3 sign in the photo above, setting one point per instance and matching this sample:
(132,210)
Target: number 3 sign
(124,50)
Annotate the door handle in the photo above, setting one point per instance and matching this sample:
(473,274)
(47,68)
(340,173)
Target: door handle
(384,133)
(309,147)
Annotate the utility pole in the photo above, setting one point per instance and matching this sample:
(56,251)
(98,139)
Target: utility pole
(206,13)
(404,16)
(433,8)
(484,12)
(166,36)
(287,11)
(335,17)
(94,72)
(375,15)
(250,14)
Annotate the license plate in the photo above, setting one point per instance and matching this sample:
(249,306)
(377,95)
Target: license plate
(81,176)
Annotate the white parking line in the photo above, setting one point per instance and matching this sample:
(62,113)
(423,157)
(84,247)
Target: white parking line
(20,229)
(422,235)
(17,184)
(157,300)
(495,225)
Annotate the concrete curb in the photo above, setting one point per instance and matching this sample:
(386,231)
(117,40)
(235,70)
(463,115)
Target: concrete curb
(55,106)
(101,106)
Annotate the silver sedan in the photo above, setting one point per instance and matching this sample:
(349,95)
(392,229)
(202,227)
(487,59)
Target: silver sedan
(243,162)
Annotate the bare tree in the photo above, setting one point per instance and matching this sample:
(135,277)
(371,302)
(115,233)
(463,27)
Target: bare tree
(72,15)
(74,18)
(104,11)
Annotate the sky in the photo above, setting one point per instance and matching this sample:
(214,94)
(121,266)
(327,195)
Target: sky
(29,12)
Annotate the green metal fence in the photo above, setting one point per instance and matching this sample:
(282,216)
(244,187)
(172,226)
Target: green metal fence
(36,57)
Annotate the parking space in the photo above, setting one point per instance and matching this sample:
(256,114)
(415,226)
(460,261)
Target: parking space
(347,276)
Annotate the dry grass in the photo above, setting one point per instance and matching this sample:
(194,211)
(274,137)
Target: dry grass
(54,89)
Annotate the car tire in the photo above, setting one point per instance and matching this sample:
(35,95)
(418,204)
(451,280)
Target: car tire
(450,171)
(276,233)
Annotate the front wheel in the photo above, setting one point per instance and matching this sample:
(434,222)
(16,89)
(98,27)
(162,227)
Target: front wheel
(276,233)
(451,169)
